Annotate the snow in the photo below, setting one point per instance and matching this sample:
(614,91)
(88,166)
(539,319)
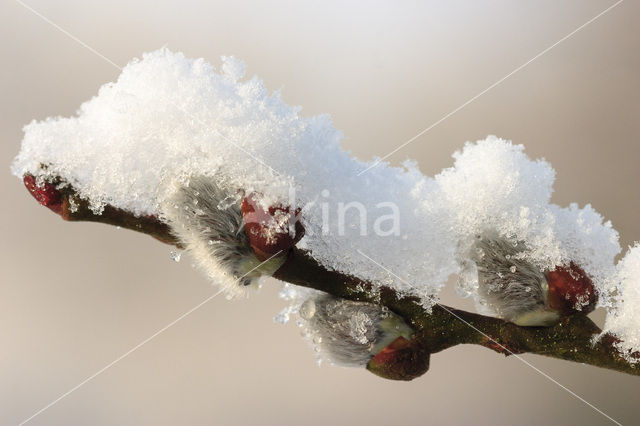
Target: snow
(494,188)
(623,319)
(168,118)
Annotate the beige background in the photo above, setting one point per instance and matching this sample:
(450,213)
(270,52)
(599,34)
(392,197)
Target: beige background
(73,297)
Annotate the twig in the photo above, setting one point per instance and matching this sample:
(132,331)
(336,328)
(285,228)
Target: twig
(572,339)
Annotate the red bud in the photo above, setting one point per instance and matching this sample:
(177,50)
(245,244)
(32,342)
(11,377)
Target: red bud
(570,290)
(269,230)
(402,360)
(47,194)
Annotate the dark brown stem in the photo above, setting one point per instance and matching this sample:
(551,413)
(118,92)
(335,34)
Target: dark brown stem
(444,327)
(572,339)
(75,209)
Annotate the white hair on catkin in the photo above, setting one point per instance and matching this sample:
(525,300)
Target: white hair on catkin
(509,285)
(208,221)
(349,333)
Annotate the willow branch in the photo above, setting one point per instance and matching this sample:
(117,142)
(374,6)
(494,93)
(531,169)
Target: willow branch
(438,329)
(444,327)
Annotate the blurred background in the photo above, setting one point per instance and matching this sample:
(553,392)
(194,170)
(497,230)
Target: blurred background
(74,297)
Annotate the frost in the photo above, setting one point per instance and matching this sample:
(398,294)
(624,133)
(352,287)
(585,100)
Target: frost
(299,301)
(307,310)
(623,320)
(359,326)
(283,316)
